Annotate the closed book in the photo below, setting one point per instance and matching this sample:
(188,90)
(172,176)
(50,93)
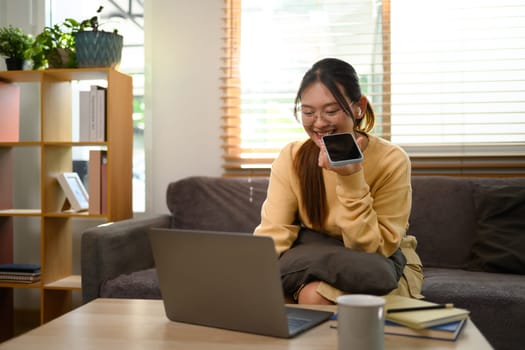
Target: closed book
(104,184)
(94,181)
(448,331)
(13,276)
(421,318)
(9,112)
(19,279)
(84,116)
(19,274)
(93,113)
(97,100)
(101,114)
(20,268)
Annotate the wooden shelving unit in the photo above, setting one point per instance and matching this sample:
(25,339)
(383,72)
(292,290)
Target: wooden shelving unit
(55,146)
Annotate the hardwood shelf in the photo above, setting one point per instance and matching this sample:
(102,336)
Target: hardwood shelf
(52,137)
(20,212)
(20,144)
(34,285)
(73,282)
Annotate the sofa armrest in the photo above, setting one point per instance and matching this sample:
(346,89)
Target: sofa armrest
(110,250)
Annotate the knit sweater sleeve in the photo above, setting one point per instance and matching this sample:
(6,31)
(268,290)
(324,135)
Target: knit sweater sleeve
(279,210)
(375,203)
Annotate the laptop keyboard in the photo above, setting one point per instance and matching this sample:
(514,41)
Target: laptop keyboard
(295,323)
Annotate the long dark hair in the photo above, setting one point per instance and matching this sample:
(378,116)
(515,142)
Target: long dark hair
(334,74)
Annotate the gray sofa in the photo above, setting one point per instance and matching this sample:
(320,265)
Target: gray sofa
(470,234)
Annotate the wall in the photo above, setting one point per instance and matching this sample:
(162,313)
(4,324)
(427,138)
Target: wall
(26,14)
(183,106)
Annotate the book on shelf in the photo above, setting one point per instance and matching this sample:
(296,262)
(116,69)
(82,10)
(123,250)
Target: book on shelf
(97,182)
(104,183)
(19,278)
(421,318)
(447,331)
(10,112)
(84,116)
(92,114)
(20,268)
(94,178)
(99,134)
(20,273)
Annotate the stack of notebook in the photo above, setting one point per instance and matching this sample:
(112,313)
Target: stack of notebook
(19,273)
(420,318)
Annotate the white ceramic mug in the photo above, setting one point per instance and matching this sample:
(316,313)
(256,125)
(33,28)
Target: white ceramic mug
(360,322)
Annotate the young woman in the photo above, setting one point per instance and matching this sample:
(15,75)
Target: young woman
(341,229)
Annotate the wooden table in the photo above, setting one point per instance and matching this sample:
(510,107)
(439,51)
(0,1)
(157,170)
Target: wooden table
(141,324)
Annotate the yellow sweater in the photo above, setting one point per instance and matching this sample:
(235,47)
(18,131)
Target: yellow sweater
(368,210)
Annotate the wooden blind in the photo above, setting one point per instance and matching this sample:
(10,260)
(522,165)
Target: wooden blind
(446,78)
(268,48)
(231,82)
(458,82)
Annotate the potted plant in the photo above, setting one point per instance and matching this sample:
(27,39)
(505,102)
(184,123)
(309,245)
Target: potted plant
(77,44)
(95,47)
(55,46)
(15,47)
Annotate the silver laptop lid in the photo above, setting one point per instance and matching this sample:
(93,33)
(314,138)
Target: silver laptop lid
(224,280)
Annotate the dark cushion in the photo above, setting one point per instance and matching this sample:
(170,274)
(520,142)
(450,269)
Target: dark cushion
(217,204)
(500,240)
(496,301)
(442,220)
(143,284)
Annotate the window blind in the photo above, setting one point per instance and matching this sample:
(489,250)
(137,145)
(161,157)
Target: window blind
(457,80)
(446,78)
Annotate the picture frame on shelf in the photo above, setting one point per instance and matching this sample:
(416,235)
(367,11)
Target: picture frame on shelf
(74,190)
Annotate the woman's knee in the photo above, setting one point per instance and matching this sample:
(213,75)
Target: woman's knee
(309,295)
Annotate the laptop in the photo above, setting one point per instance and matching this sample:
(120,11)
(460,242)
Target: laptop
(226,280)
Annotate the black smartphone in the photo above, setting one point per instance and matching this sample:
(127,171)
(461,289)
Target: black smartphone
(342,149)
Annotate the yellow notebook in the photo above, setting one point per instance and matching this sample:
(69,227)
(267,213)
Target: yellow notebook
(422,318)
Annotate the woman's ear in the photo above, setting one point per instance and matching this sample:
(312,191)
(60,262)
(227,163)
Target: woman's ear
(361,107)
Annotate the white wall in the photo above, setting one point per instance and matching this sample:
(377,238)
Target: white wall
(26,14)
(183,106)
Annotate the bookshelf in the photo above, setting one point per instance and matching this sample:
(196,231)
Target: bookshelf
(53,144)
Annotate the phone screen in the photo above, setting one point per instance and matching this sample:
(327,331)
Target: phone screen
(342,149)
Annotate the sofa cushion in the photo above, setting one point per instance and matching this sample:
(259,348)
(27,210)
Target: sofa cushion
(143,284)
(217,204)
(443,220)
(496,301)
(500,240)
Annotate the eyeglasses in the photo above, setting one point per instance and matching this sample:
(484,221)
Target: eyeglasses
(309,115)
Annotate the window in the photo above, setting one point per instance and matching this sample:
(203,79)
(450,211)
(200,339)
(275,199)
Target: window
(446,78)
(128,18)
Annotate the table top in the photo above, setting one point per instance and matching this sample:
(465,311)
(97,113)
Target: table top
(142,324)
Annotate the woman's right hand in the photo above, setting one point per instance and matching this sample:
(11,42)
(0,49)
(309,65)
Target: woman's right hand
(344,170)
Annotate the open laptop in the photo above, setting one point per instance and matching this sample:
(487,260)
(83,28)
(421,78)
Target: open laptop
(226,280)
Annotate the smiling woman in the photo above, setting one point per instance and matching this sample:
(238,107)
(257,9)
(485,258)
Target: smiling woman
(339,228)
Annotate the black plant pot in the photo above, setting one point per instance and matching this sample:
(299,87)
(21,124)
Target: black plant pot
(98,49)
(14,63)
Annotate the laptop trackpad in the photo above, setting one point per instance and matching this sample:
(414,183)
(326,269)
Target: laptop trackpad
(300,319)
